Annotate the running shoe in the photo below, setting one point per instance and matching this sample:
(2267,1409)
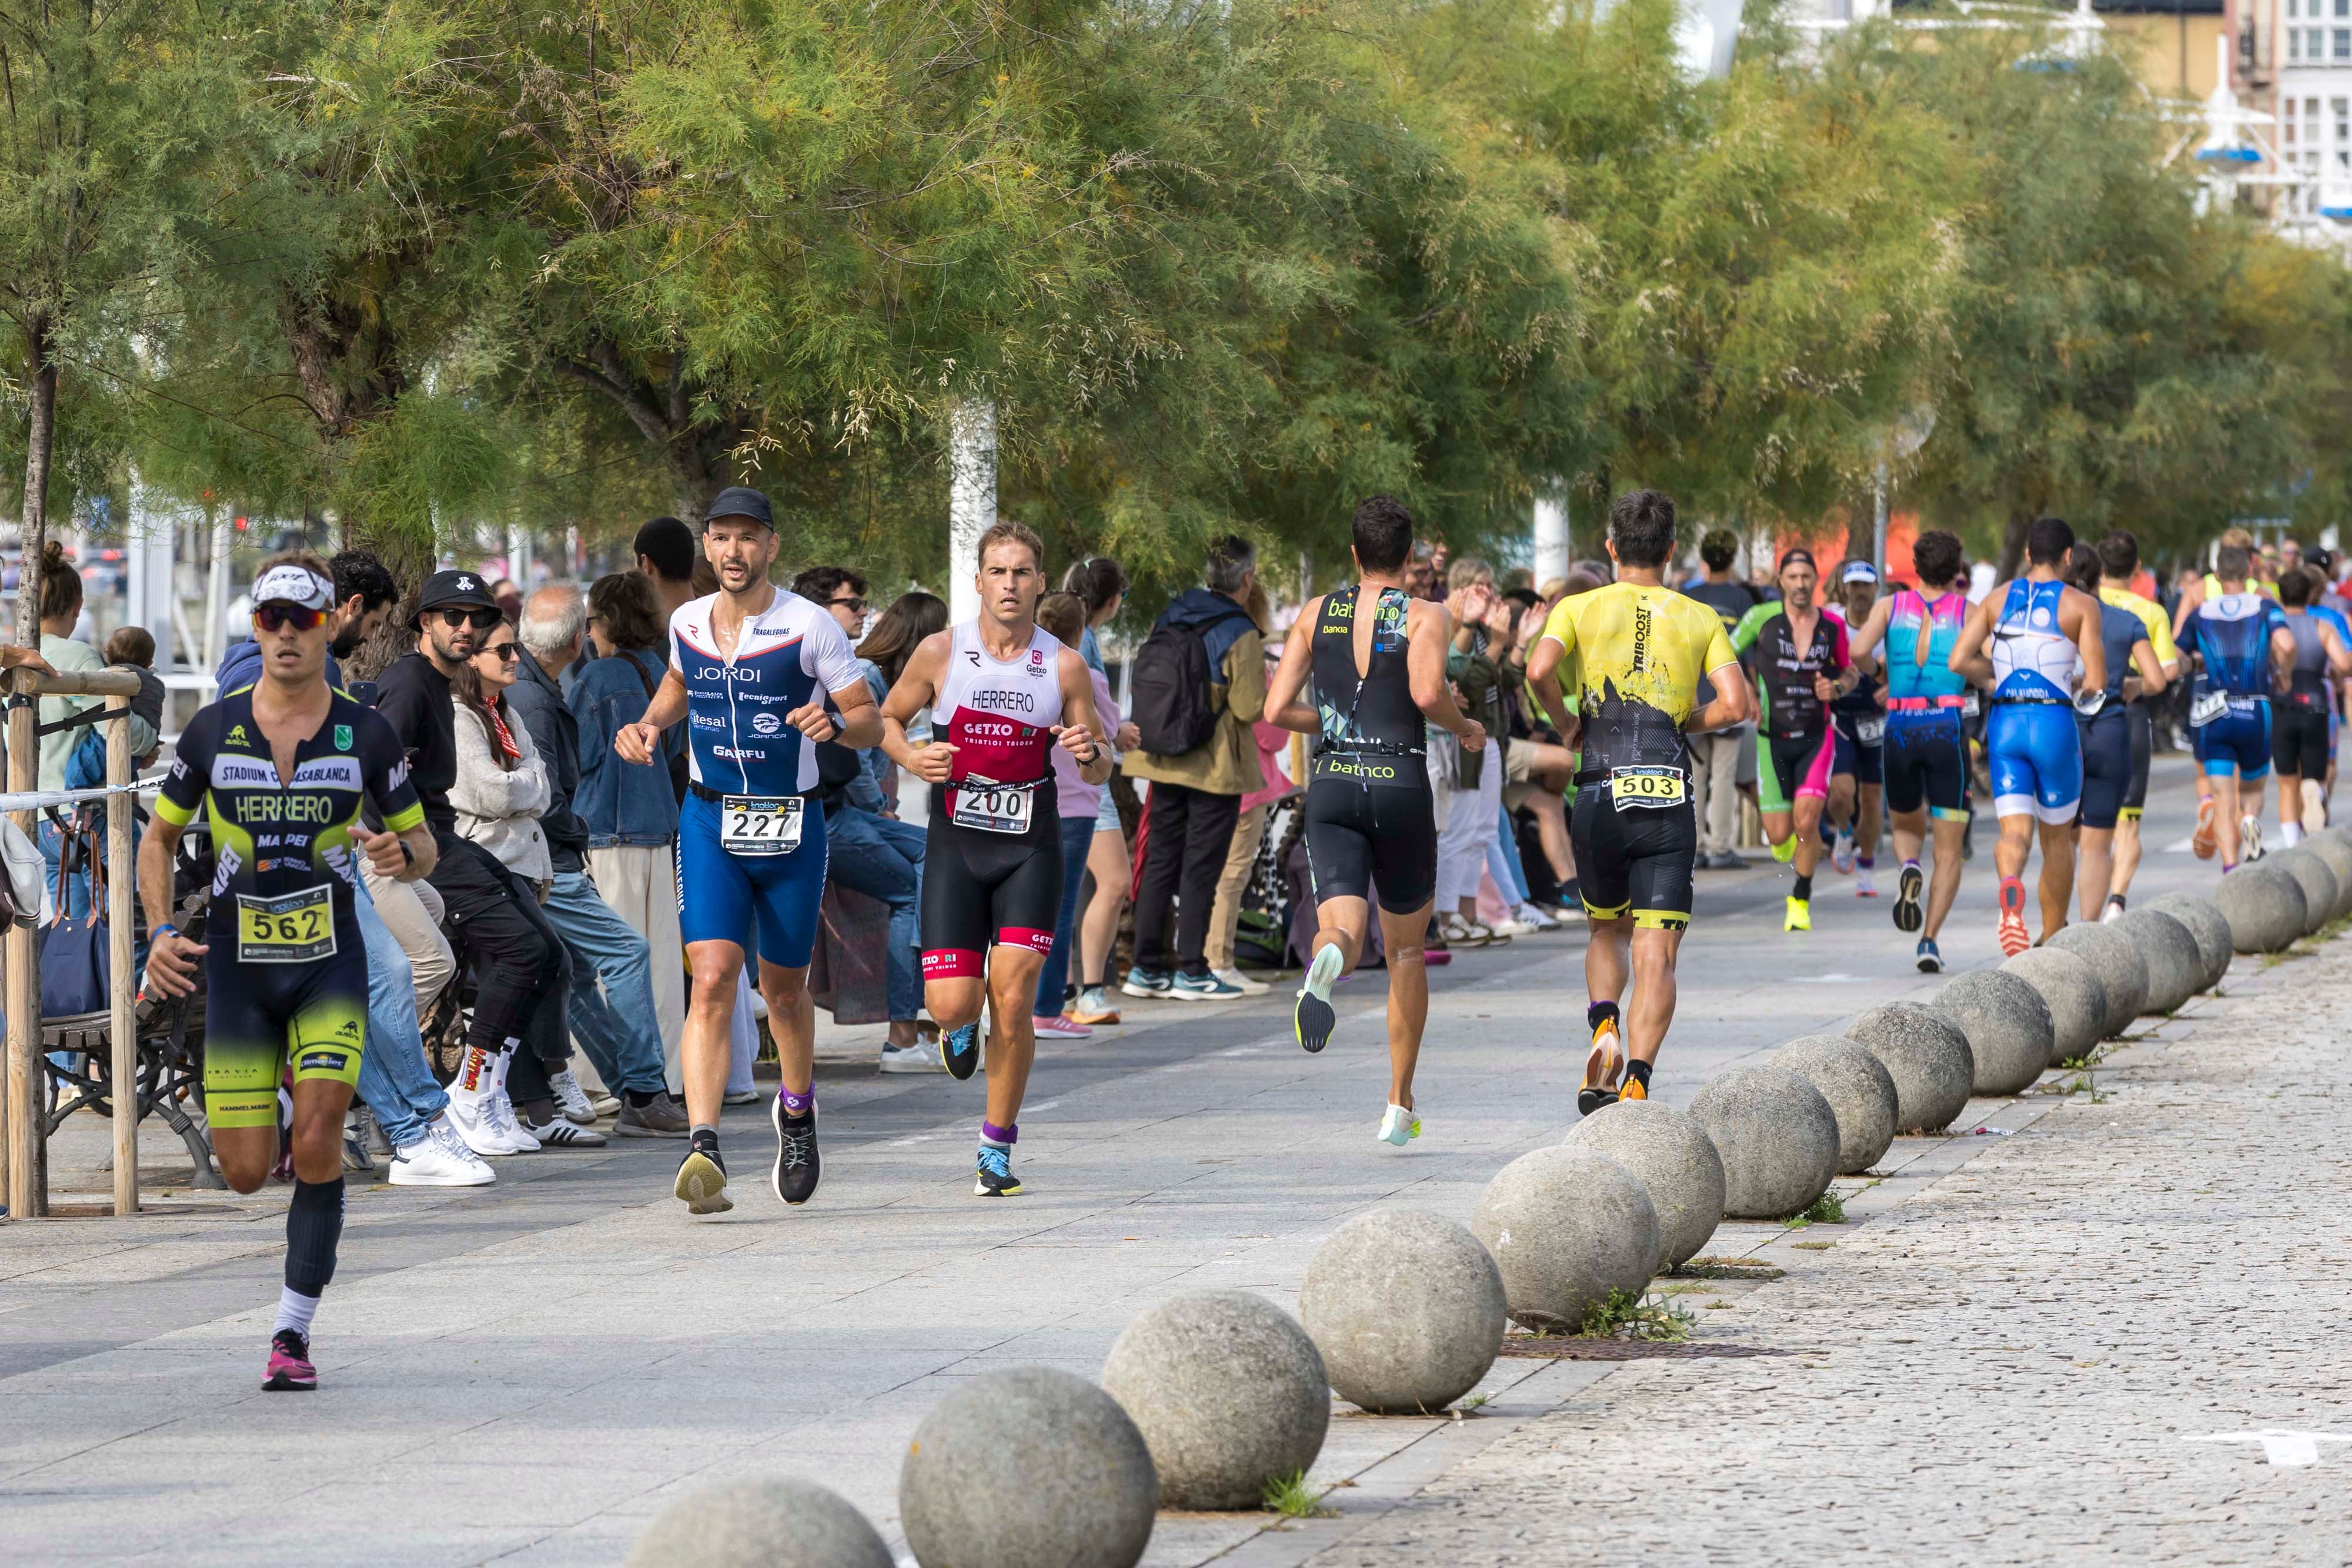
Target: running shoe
(1093,1008)
(1202,988)
(2250,840)
(1910,915)
(1601,1065)
(960,1050)
(1399,1126)
(793,1175)
(2012,933)
(1799,916)
(290,1371)
(1061,1026)
(1312,1020)
(1865,881)
(1931,957)
(1841,852)
(1785,850)
(1633,1088)
(2114,911)
(914,1058)
(992,1173)
(2204,840)
(1147,983)
(702,1182)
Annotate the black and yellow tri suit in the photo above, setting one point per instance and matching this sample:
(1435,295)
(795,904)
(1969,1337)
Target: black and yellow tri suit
(285,966)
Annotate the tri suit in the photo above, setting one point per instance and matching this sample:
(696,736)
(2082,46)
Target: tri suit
(2030,744)
(1927,753)
(2229,706)
(2299,726)
(2139,715)
(1793,748)
(2104,727)
(1372,819)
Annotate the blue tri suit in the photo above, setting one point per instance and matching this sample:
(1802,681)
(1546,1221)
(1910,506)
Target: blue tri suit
(741,748)
(2229,706)
(2031,743)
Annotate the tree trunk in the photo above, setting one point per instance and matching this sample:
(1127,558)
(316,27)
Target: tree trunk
(40,442)
(2012,542)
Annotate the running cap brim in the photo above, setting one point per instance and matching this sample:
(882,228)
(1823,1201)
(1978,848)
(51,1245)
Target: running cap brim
(739,501)
(297,585)
(1789,558)
(1858,572)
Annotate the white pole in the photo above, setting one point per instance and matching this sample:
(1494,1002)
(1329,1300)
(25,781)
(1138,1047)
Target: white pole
(147,549)
(1551,538)
(216,597)
(1878,530)
(971,499)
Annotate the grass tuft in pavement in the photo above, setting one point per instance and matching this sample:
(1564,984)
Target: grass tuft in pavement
(1292,1498)
(1827,1209)
(1631,1314)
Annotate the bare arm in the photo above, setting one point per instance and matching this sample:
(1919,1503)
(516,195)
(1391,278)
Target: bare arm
(2282,658)
(1543,686)
(2088,641)
(1290,676)
(1967,657)
(917,684)
(2153,676)
(172,957)
(636,742)
(1866,638)
(2339,657)
(1734,704)
(1080,731)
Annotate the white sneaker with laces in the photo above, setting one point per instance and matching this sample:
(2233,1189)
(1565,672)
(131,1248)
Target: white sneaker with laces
(570,1099)
(439,1159)
(470,1119)
(1462,933)
(916,1058)
(1511,925)
(564,1133)
(2250,840)
(506,1124)
(1235,977)
(1534,919)
(1399,1126)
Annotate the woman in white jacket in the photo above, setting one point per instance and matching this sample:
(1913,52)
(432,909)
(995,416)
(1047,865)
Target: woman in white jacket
(500,789)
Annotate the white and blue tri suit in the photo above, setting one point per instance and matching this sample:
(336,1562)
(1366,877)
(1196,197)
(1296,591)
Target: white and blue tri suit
(2031,742)
(750,836)
(2229,706)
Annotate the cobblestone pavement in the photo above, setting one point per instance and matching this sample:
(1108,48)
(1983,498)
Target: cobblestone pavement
(2006,1368)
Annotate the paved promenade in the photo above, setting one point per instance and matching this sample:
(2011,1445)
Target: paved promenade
(2000,1358)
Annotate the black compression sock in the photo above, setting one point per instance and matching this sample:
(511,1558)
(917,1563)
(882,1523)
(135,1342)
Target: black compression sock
(314,1223)
(1804,888)
(1640,1071)
(1599,1013)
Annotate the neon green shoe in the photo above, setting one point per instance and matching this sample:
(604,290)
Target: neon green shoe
(1785,850)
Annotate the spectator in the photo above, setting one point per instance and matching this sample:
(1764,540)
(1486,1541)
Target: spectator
(365,596)
(620,1030)
(666,552)
(869,850)
(1065,615)
(131,648)
(629,814)
(509,599)
(1196,795)
(60,608)
(1249,829)
(1718,756)
(1101,587)
(1536,772)
(1100,584)
(1469,787)
(897,631)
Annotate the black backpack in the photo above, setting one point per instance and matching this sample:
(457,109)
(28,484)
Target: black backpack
(1170,690)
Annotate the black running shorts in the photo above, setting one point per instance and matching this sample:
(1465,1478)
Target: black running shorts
(1927,763)
(2106,766)
(1364,840)
(266,1020)
(2299,740)
(2143,745)
(1634,862)
(984,890)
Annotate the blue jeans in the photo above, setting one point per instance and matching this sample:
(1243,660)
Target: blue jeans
(1503,861)
(395,1079)
(616,1028)
(883,858)
(1078,838)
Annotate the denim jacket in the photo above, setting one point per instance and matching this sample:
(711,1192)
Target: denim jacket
(621,804)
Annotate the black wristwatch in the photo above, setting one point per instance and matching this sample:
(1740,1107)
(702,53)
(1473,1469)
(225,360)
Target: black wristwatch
(408,856)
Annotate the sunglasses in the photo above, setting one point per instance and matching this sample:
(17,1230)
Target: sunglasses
(506,652)
(857,604)
(272,617)
(479,619)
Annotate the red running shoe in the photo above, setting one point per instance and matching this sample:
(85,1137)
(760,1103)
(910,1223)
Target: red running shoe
(290,1371)
(2013,937)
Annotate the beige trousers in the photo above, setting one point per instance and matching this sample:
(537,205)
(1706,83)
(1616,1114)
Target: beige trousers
(640,881)
(1226,915)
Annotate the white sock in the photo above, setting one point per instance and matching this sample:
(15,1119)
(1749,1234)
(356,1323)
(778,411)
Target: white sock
(2291,832)
(1323,971)
(295,1310)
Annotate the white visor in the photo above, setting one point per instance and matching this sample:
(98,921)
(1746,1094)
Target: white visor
(290,584)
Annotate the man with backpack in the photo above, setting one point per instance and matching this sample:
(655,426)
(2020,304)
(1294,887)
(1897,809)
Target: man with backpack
(1199,683)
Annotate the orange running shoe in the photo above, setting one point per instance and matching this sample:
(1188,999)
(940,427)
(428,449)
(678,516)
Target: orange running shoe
(1601,1065)
(2013,937)
(2203,839)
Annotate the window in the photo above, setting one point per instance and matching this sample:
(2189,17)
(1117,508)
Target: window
(2295,43)
(2343,43)
(2344,7)
(2340,110)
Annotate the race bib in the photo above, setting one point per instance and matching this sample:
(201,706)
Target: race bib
(1869,730)
(1634,788)
(993,807)
(294,929)
(759,824)
(1970,703)
(2204,709)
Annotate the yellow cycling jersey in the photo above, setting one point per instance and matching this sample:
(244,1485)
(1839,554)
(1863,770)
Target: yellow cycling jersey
(2152,616)
(1635,656)
(2214,589)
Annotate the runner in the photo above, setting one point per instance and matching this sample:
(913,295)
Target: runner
(751,670)
(2118,564)
(1371,824)
(2239,639)
(2103,725)
(1926,748)
(2021,644)
(1003,693)
(2300,718)
(282,768)
(1802,665)
(1858,730)
(2330,607)
(2192,599)
(1641,650)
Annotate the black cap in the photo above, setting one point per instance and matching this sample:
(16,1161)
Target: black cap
(1796,553)
(446,588)
(738,501)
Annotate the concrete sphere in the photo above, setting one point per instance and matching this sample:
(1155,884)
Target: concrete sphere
(2207,924)
(1567,1225)
(771,1522)
(1406,1308)
(1667,1153)
(2115,958)
(2075,997)
(2175,964)
(1860,1090)
(1927,1056)
(2336,849)
(2320,889)
(2009,1031)
(1228,1392)
(2265,905)
(1778,1137)
(1028,1465)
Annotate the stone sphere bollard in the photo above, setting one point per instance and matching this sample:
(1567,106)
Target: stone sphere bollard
(1927,1056)
(2074,994)
(1778,1137)
(1860,1090)
(1567,1225)
(2207,924)
(2332,846)
(2265,905)
(1672,1159)
(1028,1465)
(1228,1392)
(2175,963)
(2009,1031)
(1406,1308)
(2320,889)
(2115,958)
(773,1522)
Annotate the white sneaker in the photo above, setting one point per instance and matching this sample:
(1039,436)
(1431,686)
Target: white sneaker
(564,1133)
(469,1117)
(604,1104)
(914,1058)
(1511,925)
(1534,919)
(439,1159)
(1460,933)
(2250,840)
(1399,1126)
(1235,977)
(570,1099)
(1865,881)
(508,1126)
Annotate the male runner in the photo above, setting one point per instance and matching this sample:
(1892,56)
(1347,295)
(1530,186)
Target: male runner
(1926,748)
(2300,718)
(2192,599)
(282,769)
(2118,564)
(1802,665)
(2240,640)
(1641,650)
(1858,731)
(2036,627)
(2326,605)
(2103,725)
(751,669)
(1004,692)
(1377,658)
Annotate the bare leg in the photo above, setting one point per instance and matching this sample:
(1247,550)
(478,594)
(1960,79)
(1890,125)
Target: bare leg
(1099,924)
(2016,845)
(1809,834)
(1944,883)
(708,1045)
(791,1021)
(1342,924)
(247,1154)
(2126,852)
(1402,936)
(2289,802)
(2225,815)
(1608,958)
(1011,1036)
(2057,875)
(1838,810)
(2096,872)
(1866,832)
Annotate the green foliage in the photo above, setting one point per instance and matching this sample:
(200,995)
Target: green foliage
(1827,1209)
(1633,1314)
(1294,1497)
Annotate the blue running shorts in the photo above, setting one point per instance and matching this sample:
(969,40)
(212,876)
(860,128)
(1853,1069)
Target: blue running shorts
(2036,759)
(720,894)
(2238,741)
